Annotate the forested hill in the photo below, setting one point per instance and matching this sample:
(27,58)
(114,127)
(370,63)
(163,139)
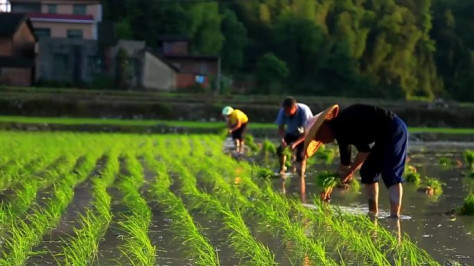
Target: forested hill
(364,48)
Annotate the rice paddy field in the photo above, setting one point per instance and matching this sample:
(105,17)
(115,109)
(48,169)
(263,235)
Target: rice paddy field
(125,199)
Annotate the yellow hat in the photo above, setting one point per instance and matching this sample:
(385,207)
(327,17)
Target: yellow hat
(311,145)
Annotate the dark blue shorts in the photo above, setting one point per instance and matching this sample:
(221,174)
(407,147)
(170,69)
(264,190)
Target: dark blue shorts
(289,138)
(387,159)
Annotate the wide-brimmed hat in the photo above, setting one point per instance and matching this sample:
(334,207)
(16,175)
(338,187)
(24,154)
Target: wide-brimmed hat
(311,145)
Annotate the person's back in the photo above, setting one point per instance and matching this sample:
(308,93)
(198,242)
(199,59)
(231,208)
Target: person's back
(362,124)
(237,116)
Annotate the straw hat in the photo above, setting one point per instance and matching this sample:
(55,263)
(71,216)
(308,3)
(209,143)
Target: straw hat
(311,145)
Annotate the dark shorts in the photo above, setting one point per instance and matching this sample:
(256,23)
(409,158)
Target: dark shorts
(387,159)
(299,149)
(239,133)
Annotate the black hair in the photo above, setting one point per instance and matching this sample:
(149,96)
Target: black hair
(288,102)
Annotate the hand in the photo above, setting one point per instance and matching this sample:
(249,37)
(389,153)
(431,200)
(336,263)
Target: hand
(293,145)
(230,131)
(345,174)
(283,143)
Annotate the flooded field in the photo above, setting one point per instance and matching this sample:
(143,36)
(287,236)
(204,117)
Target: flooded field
(118,199)
(431,222)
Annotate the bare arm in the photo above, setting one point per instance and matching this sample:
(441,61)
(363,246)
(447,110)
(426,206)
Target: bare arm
(358,161)
(237,126)
(296,142)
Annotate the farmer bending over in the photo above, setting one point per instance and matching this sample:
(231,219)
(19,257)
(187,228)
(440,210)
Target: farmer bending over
(237,124)
(294,115)
(381,140)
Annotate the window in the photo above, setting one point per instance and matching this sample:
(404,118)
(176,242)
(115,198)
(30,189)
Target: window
(26,7)
(42,32)
(79,9)
(52,8)
(74,34)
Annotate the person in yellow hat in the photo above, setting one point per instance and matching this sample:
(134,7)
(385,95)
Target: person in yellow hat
(381,139)
(237,125)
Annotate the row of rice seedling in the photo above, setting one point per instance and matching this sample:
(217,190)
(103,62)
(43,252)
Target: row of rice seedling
(240,236)
(24,234)
(270,213)
(345,227)
(26,192)
(135,223)
(198,247)
(82,248)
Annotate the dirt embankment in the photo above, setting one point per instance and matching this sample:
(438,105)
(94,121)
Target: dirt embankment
(202,107)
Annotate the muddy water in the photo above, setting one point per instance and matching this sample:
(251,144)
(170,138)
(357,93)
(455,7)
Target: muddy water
(429,222)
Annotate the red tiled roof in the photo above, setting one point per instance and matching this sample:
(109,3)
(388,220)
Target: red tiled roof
(61,16)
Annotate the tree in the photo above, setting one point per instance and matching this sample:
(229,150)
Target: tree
(235,36)
(270,72)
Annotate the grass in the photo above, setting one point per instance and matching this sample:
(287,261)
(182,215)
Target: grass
(184,124)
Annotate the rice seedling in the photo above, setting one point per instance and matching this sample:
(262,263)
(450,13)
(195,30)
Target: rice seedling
(272,212)
(327,181)
(468,206)
(240,237)
(326,154)
(445,162)
(264,172)
(432,186)
(411,175)
(250,142)
(84,245)
(469,158)
(182,223)
(268,150)
(137,248)
(25,234)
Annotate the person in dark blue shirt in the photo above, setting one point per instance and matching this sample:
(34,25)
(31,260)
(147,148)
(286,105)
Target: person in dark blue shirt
(380,138)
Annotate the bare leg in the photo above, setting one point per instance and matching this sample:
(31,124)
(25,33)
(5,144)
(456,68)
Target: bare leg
(372,192)
(282,164)
(395,193)
(303,189)
(302,167)
(237,145)
(283,185)
(242,146)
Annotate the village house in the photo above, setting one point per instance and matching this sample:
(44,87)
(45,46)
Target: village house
(194,70)
(72,19)
(17,50)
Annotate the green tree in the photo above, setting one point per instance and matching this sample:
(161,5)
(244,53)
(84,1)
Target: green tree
(235,36)
(205,28)
(270,72)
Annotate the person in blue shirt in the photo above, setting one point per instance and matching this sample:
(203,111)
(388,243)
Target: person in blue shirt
(291,121)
